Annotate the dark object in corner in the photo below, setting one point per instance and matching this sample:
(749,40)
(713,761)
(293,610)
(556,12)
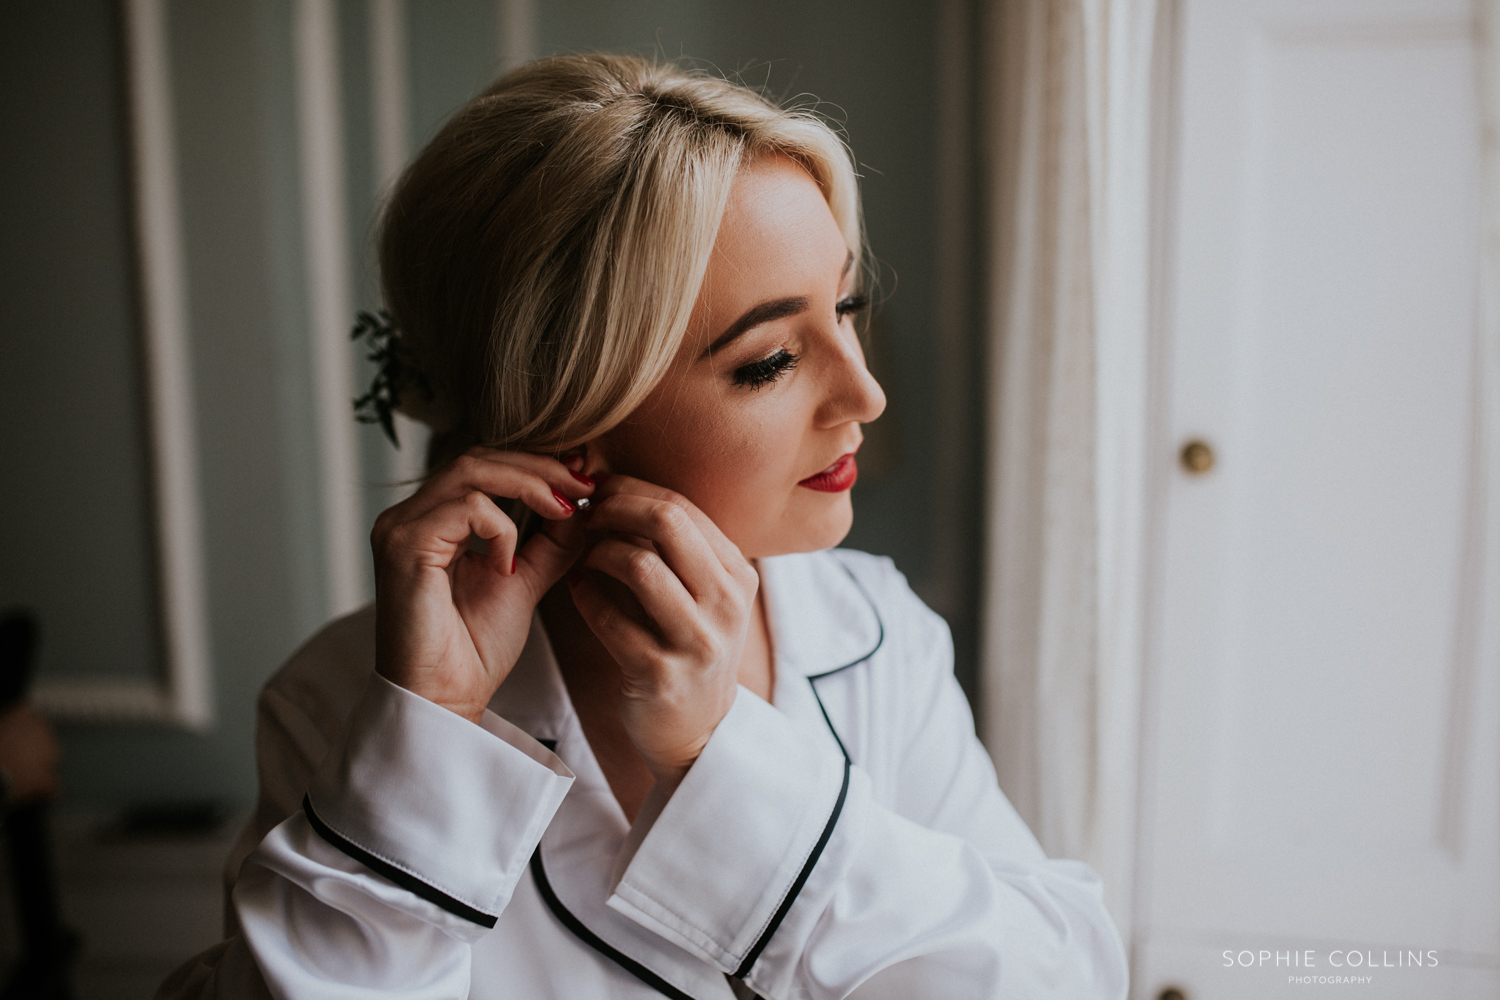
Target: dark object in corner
(170,818)
(49,947)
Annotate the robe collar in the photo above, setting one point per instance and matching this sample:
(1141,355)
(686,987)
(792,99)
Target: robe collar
(821,621)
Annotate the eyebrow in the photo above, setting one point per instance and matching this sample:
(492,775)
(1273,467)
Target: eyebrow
(768,312)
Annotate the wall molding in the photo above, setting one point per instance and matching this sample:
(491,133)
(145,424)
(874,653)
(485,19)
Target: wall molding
(390,117)
(320,130)
(391,139)
(185,695)
(517,22)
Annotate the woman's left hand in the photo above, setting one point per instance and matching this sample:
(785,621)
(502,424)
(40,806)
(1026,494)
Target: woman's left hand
(678,631)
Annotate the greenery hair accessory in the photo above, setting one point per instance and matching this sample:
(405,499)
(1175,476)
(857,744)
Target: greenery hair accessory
(396,375)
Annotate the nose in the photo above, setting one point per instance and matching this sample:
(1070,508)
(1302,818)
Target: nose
(852,392)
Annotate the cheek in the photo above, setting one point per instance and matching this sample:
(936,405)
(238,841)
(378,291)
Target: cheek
(738,464)
(741,472)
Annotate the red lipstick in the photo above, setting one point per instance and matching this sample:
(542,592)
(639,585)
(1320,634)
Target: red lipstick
(837,478)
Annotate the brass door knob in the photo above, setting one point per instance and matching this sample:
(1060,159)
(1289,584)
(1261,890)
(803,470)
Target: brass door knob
(1197,457)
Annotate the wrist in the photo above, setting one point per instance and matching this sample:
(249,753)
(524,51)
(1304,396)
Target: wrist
(671,767)
(668,777)
(471,712)
(437,692)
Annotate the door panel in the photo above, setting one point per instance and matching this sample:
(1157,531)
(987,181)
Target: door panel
(1321,736)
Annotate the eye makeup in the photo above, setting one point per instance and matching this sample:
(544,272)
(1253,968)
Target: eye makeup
(851,304)
(765,371)
(761,373)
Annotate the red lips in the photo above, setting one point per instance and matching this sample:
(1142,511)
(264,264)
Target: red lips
(837,478)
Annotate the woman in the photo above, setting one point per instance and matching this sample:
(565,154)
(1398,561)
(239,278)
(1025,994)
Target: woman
(664,742)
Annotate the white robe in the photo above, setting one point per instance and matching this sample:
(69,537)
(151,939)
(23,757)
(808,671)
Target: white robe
(849,841)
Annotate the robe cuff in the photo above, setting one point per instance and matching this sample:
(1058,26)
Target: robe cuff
(446,809)
(735,844)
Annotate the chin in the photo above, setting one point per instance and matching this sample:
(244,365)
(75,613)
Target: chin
(810,534)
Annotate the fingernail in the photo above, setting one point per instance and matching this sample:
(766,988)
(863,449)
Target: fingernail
(512,565)
(598,478)
(585,480)
(567,504)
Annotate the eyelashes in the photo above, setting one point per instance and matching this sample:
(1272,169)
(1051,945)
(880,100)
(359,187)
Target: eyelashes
(765,371)
(758,374)
(849,305)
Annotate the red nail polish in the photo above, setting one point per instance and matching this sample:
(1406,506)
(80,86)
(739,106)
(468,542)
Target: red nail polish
(512,565)
(598,478)
(585,480)
(567,504)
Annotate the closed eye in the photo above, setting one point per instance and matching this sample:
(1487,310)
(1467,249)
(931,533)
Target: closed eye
(765,371)
(851,304)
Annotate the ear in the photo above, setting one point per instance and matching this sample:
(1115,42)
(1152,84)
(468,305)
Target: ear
(588,458)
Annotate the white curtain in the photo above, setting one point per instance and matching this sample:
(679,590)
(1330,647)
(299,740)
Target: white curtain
(1069,88)
(1489,316)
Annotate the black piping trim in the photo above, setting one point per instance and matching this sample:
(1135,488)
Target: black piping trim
(645,975)
(792,893)
(824,709)
(879,641)
(405,880)
(588,937)
(838,807)
(817,851)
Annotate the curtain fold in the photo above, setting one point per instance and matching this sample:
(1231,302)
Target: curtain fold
(1069,90)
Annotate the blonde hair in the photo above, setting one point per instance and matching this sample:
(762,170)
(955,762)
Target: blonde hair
(542,255)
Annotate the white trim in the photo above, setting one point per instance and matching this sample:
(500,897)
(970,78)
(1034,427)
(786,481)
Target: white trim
(330,303)
(98,699)
(186,697)
(1160,464)
(517,22)
(390,87)
(1487,598)
(390,113)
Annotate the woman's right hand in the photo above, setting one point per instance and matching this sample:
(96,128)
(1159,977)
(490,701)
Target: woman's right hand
(451,622)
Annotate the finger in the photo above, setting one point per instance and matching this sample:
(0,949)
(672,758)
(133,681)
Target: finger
(543,484)
(661,594)
(673,532)
(549,553)
(438,537)
(727,552)
(629,639)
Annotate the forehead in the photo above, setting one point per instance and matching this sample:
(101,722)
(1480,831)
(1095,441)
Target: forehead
(774,200)
(778,239)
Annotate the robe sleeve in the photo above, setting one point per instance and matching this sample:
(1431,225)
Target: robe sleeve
(409,840)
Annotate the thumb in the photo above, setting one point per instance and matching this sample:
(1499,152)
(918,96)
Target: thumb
(544,559)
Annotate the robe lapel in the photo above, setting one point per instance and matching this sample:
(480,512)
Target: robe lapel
(821,621)
(577,853)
